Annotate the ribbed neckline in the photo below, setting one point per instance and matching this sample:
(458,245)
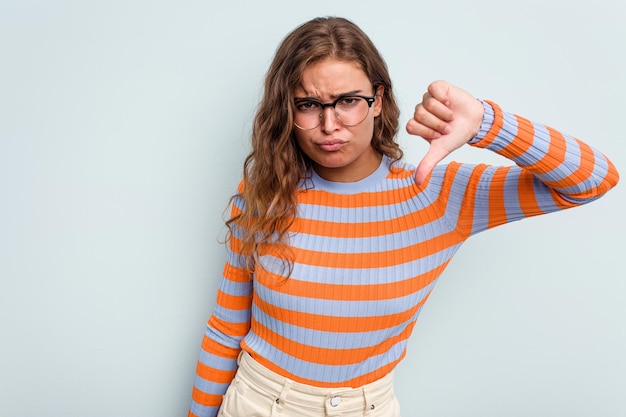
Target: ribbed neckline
(314,181)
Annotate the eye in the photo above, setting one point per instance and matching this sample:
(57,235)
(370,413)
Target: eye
(307,106)
(348,101)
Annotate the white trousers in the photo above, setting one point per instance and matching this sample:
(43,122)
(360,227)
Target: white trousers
(259,392)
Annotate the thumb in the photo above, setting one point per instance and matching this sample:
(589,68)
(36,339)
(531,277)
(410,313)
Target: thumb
(434,155)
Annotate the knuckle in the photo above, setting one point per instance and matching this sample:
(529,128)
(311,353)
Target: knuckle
(421,112)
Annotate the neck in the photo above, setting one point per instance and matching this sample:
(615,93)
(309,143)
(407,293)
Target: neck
(367,164)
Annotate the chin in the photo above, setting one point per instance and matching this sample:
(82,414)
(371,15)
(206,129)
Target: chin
(332,162)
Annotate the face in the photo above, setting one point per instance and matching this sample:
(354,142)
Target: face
(339,153)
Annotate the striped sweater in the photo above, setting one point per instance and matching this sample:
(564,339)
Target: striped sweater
(367,255)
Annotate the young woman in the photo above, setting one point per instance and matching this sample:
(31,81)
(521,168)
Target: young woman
(335,243)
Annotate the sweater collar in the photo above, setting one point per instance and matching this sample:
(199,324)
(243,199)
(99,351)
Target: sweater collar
(315,182)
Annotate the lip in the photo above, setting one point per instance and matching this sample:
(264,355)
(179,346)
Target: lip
(331,145)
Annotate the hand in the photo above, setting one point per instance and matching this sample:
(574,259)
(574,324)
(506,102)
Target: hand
(447,118)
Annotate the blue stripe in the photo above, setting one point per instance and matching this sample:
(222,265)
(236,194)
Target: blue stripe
(201,410)
(326,373)
(330,340)
(217,362)
(355,215)
(480,221)
(236,260)
(210,387)
(535,153)
(341,308)
(544,198)
(232,316)
(236,288)
(363,276)
(512,204)
(232,342)
(506,135)
(370,244)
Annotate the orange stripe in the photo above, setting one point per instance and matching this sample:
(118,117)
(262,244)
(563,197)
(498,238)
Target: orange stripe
(337,324)
(366,199)
(217,349)
(328,356)
(364,229)
(235,244)
(394,173)
(208,400)
(399,173)
(216,375)
(584,171)
(386,291)
(374,259)
(526,195)
(233,302)
(522,141)
(556,152)
(609,181)
(236,274)
(498,122)
(497,211)
(560,201)
(555,156)
(591,193)
(230,329)
(612,177)
(235,211)
(356,382)
(465,220)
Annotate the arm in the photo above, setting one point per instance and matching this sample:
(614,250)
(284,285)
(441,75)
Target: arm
(577,172)
(554,171)
(228,324)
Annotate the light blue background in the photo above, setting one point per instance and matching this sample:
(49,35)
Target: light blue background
(123,127)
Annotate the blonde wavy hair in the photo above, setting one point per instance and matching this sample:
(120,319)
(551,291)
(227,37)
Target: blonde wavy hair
(275,167)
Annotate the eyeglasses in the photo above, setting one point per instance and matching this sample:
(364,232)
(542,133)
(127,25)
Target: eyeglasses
(350,110)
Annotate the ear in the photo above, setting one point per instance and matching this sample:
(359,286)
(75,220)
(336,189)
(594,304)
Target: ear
(378,104)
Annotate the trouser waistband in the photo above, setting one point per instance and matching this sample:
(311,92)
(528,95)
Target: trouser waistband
(332,401)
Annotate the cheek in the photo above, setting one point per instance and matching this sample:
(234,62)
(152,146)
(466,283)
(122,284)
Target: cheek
(367,129)
(301,138)
(303,142)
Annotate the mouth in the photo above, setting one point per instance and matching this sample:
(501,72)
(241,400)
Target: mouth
(331,145)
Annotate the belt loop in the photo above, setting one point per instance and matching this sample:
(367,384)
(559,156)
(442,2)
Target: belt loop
(239,356)
(366,401)
(279,402)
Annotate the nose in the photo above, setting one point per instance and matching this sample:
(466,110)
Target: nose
(329,119)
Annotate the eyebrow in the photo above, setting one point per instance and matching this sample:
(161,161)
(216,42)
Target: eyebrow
(332,96)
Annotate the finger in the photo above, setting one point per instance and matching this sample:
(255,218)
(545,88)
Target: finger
(429,120)
(440,90)
(437,106)
(428,163)
(413,127)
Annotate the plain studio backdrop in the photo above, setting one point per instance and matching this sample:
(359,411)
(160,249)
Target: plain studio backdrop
(123,128)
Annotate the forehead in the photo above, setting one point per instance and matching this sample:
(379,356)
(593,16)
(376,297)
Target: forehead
(331,77)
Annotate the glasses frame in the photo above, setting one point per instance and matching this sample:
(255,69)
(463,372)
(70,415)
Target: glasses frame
(368,99)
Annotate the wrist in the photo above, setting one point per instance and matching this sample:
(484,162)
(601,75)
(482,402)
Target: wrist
(485,124)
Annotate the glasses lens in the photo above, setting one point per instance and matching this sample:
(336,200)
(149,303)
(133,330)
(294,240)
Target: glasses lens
(349,110)
(308,114)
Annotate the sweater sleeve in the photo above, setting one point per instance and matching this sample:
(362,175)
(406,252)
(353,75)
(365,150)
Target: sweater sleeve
(225,329)
(553,171)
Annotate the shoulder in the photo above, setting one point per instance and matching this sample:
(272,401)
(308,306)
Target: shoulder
(405,171)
